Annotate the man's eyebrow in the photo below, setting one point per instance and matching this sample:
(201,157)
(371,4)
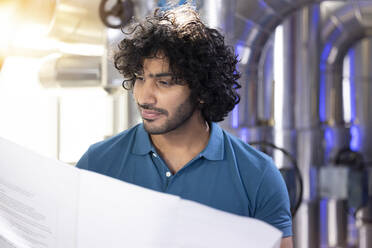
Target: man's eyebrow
(162,74)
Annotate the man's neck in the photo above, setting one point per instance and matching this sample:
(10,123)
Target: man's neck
(180,146)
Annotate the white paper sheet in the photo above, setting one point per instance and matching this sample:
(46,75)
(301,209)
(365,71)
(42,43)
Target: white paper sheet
(45,203)
(38,199)
(123,215)
(200,226)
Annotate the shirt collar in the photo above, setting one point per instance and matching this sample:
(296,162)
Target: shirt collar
(215,147)
(142,143)
(213,151)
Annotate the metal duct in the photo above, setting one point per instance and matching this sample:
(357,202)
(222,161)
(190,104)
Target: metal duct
(77,22)
(219,14)
(39,12)
(70,71)
(362,79)
(265,101)
(284,134)
(254,23)
(306,121)
(344,28)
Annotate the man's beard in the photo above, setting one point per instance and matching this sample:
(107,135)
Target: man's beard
(182,114)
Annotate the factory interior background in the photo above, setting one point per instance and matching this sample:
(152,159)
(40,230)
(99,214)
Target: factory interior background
(307,90)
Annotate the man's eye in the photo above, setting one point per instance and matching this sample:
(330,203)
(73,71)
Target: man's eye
(164,83)
(140,78)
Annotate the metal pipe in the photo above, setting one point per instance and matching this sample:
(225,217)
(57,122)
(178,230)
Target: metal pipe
(344,28)
(70,71)
(77,21)
(337,223)
(306,121)
(284,134)
(361,99)
(219,14)
(265,101)
(347,26)
(363,221)
(254,22)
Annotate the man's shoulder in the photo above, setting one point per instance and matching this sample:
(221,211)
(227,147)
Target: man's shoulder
(247,157)
(118,141)
(103,156)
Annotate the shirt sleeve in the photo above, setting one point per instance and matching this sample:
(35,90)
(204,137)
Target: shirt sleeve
(272,204)
(83,163)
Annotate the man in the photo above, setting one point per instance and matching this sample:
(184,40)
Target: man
(184,80)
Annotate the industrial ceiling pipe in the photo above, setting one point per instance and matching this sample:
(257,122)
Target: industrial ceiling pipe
(346,27)
(254,23)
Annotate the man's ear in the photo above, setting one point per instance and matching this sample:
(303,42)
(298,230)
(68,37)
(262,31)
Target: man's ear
(200,104)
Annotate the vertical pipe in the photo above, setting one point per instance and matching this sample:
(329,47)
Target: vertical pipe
(337,223)
(364,220)
(284,134)
(307,44)
(334,103)
(361,76)
(344,28)
(265,103)
(219,14)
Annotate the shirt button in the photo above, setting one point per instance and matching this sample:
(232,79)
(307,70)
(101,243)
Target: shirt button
(168,174)
(154,154)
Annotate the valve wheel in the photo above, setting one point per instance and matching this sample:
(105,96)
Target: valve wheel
(118,15)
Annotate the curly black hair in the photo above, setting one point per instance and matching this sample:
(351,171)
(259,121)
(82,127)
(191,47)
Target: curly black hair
(197,55)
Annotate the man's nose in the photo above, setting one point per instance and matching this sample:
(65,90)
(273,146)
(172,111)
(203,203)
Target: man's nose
(146,92)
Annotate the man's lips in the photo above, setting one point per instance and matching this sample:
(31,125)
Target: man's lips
(150,114)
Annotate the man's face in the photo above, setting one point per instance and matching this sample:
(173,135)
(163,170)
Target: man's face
(163,105)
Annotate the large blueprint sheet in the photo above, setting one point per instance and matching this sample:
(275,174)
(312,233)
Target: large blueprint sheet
(47,204)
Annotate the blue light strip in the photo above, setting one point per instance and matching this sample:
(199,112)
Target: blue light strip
(355,143)
(235,117)
(329,138)
(322,86)
(322,97)
(244,135)
(316,16)
(235,112)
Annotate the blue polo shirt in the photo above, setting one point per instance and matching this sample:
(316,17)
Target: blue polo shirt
(228,174)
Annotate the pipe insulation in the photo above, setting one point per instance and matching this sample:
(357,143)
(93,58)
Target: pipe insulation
(346,27)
